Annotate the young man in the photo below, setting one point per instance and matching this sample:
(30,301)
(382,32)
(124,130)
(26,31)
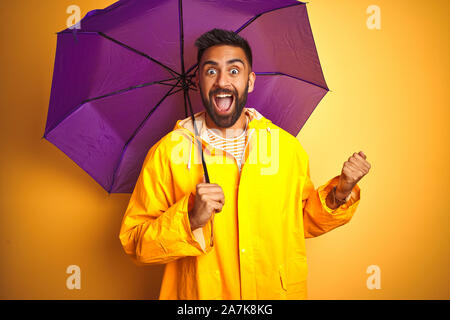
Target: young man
(263,207)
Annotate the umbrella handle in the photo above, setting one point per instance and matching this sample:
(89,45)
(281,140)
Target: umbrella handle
(212,219)
(205,170)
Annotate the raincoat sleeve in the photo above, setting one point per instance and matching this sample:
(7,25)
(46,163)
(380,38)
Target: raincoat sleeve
(155,228)
(317,217)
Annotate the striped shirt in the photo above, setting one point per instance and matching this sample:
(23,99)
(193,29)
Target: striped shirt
(234,146)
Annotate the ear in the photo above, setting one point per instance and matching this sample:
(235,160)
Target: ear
(251,81)
(195,79)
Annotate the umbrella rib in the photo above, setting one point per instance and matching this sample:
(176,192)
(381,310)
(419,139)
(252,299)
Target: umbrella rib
(108,95)
(246,24)
(287,75)
(139,52)
(172,93)
(179,91)
(129,89)
(172,85)
(192,67)
(135,133)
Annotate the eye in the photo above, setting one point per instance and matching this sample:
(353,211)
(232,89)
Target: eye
(209,73)
(234,69)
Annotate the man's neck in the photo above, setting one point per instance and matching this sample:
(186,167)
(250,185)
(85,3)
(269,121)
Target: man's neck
(235,130)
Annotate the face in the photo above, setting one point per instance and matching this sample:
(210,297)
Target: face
(224,80)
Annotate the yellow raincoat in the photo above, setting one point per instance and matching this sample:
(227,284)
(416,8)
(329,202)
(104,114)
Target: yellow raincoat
(271,206)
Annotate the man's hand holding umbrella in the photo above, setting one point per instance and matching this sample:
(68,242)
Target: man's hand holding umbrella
(209,199)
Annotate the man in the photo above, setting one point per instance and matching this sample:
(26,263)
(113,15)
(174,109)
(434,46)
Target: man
(258,208)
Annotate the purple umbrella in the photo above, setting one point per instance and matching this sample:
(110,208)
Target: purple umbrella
(122,81)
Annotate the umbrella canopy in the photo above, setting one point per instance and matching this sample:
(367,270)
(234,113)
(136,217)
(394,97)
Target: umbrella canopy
(121,82)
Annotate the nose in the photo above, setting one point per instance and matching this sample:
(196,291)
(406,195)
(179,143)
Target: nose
(222,80)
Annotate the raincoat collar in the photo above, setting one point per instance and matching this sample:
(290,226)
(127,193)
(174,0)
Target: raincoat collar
(256,121)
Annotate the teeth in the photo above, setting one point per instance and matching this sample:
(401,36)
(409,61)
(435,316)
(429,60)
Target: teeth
(223,95)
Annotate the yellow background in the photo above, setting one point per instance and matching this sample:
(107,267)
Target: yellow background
(389,99)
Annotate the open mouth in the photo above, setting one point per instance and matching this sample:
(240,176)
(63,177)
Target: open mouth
(223,102)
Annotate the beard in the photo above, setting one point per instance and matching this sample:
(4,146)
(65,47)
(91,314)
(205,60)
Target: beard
(225,121)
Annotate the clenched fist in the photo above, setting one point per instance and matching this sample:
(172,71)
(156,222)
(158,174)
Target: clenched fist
(352,171)
(209,199)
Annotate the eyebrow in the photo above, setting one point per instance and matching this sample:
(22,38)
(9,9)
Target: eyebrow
(214,63)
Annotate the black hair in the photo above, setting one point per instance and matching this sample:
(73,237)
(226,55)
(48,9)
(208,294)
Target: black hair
(222,37)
